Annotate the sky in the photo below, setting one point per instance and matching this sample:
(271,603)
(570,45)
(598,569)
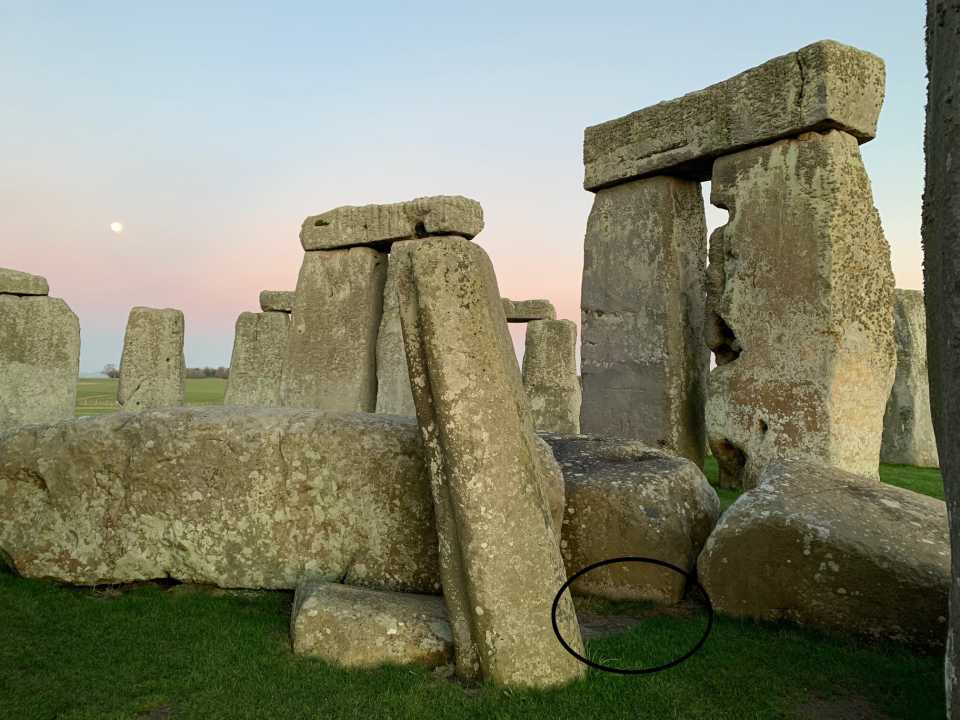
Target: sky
(211,132)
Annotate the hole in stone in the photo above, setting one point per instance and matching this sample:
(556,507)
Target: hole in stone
(731,461)
(321,222)
(762,424)
(726,348)
(420,230)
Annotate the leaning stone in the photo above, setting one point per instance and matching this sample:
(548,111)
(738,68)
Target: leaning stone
(644,362)
(499,553)
(832,550)
(383,224)
(908,437)
(332,348)
(626,499)
(360,628)
(15,282)
(256,366)
(39,361)
(522,311)
(276,301)
(799,298)
(822,86)
(394,396)
(550,376)
(152,373)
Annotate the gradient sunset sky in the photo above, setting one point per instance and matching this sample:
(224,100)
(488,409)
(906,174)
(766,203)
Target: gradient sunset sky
(211,133)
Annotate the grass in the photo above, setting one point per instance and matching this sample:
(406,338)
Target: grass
(98,396)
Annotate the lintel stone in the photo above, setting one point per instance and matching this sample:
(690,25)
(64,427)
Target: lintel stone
(276,301)
(15,282)
(521,311)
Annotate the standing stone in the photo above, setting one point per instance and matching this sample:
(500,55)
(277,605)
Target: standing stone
(941,270)
(394,396)
(39,354)
(643,360)
(800,297)
(256,366)
(907,424)
(331,351)
(152,371)
(550,376)
(500,562)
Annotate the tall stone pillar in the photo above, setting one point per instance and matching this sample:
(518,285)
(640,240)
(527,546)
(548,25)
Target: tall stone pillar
(550,376)
(256,366)
(152,368)
(394,396)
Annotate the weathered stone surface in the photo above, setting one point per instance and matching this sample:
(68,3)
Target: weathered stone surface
(357,627)
(39,360)
(550,376)
(15,282)
(276,301)
(235,497)
(833,550)
(908,437)
(152,369)
(256,366)
(643,360)
(394,396)
(522,311)
(500,560)
(821,86)
(332,347)
(383,224)
(626,499)
(799,306)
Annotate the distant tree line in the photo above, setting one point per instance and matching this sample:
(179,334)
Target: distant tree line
(223,373)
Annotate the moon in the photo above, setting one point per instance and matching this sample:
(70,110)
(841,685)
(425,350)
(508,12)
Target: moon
(116,227)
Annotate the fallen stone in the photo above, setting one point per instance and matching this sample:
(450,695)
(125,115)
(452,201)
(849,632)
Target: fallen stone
(256,366)
(276,301)
(383,224)
(832,550)
(799,310)
(152,369)
(908,437)
(332,347)
(39,360)
(15,282)
(522,311)
(626,499)
(500,560)
(643,359)
(360,628)
(394,396)
(822,86)
(550,376)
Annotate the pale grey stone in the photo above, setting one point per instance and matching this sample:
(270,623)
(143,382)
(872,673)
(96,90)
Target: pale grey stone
(276,301)
(256,366)
(522,311)
(152,369)
(394,396)
(15,282)
(550,376)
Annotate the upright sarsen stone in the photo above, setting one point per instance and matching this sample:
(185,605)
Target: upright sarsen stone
(394,396)
(550,376)
(642,357)
(256,366)
(152,372)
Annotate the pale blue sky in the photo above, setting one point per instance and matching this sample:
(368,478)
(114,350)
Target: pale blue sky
(211,132)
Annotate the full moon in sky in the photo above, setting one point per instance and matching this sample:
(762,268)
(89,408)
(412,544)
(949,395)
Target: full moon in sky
(117,227)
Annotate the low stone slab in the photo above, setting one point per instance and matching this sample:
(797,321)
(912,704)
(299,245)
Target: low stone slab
(832,550)
(276,301)
(822,86)
(360,628)
(522,311)
(624,498)
(15,282)
(152,368)
(383,224)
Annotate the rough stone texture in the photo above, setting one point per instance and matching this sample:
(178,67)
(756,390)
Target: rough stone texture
(331,361)
(383,224)
(235,497)
(256,366)
(360,628)
(550,376)
(643,360)
(799,310)
(833,550)
(941,270)
(626,499)
(39,360)
(152,369)
(394,396)
(522,311)
(276,301)
(908,437)
(500,560)
(15,282)
(821,86)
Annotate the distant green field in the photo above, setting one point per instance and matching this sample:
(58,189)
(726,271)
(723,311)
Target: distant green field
(98,396)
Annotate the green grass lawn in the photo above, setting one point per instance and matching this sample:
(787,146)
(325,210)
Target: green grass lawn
(98,396)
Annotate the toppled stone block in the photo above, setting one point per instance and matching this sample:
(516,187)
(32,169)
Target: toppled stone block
(822,86)
(276,301)
(256,366)
(360,628)
(394,396)
(15,282)
(831,550)
(522,311)
(39,360)
(383,224)
(152,368)
(908,437)
(550,376)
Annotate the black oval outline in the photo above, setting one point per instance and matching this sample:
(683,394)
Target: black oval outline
(631,671)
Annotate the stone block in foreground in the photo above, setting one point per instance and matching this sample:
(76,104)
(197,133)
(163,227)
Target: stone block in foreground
(15,282)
